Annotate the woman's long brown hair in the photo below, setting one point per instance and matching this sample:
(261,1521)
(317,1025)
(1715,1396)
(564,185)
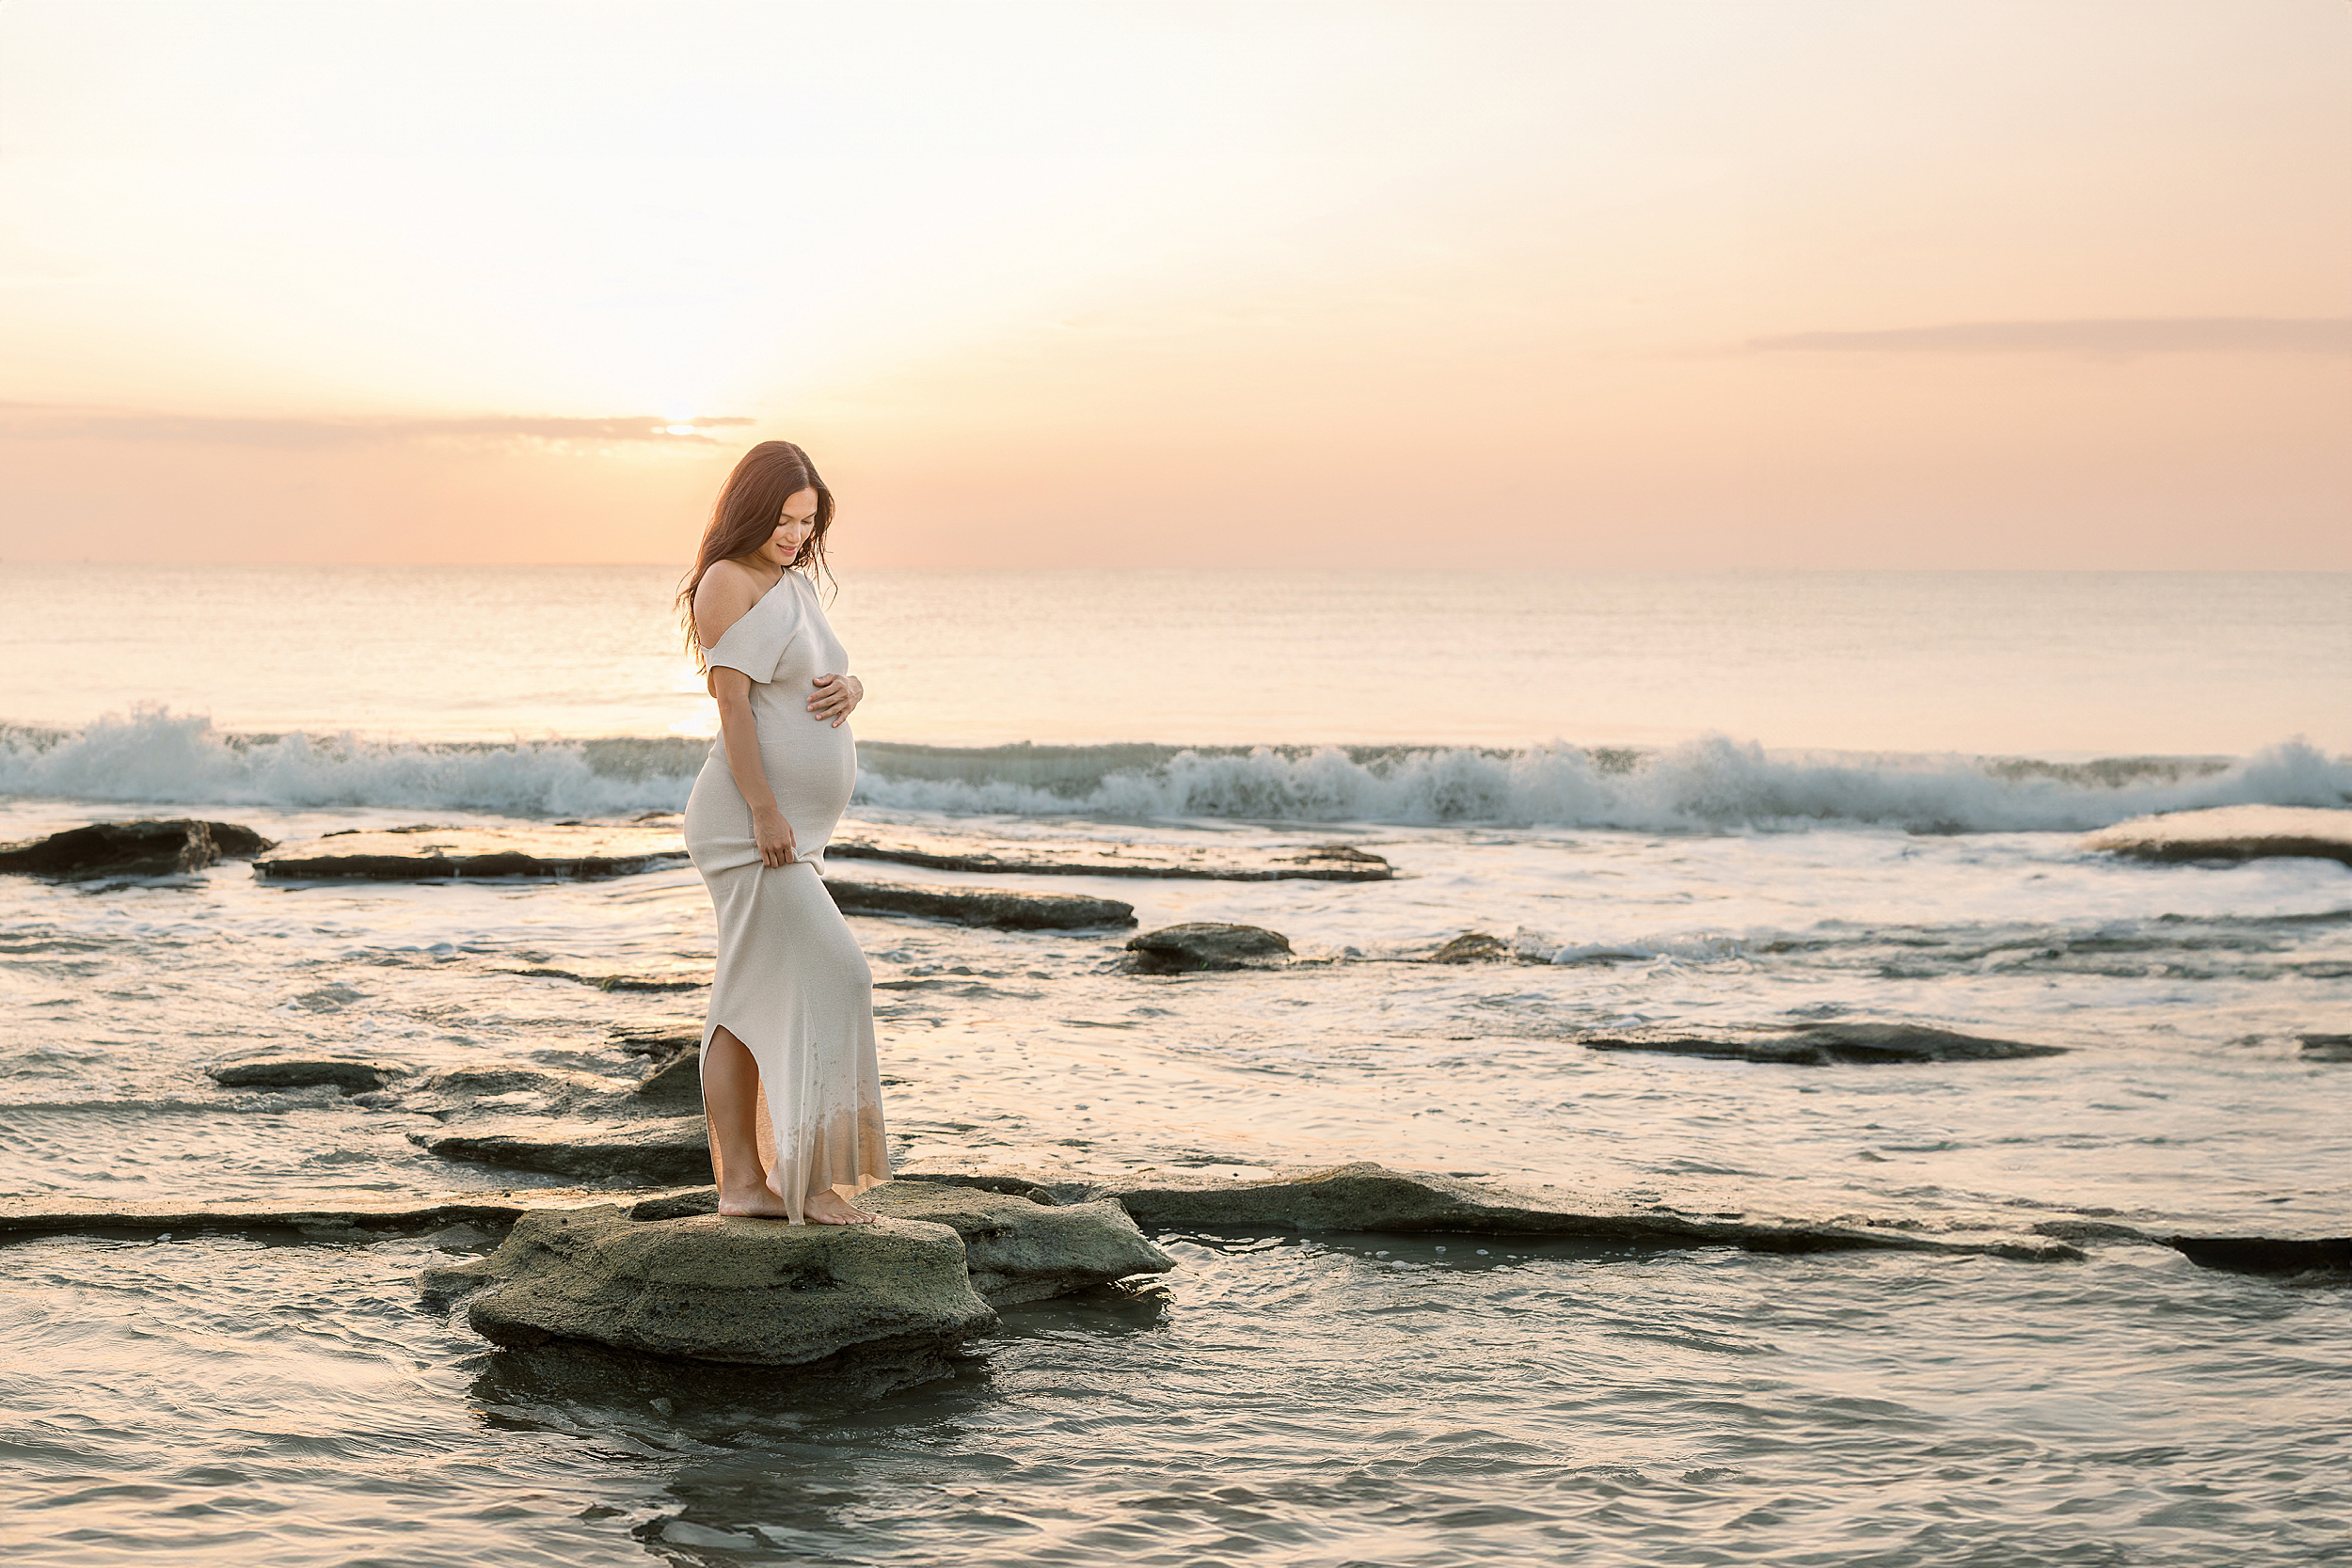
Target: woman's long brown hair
(745,518)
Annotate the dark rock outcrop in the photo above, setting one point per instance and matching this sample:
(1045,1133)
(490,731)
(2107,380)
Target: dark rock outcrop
(2231,833)
(1474,947)
(1366,1197)
(433,854)
(337,1217)
(746,1291)
(149,848)
(2267,1254)
(660,1150)
(238,842)
(2326,1048)
(352,1075)
(675,1086)
(1326,863)
(1206,944)
(1825,1044)
(1011,911)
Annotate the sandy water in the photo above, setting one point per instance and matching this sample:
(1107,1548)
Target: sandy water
(1333,1400)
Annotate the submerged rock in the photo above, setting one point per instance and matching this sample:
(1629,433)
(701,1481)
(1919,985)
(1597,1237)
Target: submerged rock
(661,1150)
(750,1291)
(149,848)
(1206,944)
(1824,1044)
(433,854)
(510,1088)
(2231,833)
(1329,863)
(1366,1197)
(1019,1248)
(1011,911)
(349,1074)
(1474,947)
(2267,1254)
(2326,1048)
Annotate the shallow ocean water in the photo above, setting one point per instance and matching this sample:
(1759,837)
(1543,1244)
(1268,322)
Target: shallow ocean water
(1344,1399)
(1322,1402)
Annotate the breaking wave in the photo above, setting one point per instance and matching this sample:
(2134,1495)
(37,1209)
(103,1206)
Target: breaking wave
(155,756)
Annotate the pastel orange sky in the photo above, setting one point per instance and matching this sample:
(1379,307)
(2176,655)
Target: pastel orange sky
(1746,283)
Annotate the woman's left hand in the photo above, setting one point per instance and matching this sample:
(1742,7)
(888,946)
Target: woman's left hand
(837,697)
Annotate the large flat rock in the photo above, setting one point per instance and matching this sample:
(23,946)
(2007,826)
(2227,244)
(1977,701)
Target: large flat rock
(1019,1248)
(1326,863)
(2231,833)
(661,1150)
(1827,1044)
(746,1291)
(1368,1197)
(434,854)
(997,907)
(152,846)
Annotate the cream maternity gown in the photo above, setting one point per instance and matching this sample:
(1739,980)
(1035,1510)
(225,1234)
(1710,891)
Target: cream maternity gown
(793,984)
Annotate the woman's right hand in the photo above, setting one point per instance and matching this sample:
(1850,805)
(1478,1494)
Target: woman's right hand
(774,836)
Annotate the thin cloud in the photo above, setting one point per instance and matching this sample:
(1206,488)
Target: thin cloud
(2117,338)
(49,422)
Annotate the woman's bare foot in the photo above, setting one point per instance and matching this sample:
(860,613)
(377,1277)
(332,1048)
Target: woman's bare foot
(760,1202)
(828,1208)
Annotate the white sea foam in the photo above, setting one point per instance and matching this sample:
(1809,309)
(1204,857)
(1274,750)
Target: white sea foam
(1714,782)
(156,755)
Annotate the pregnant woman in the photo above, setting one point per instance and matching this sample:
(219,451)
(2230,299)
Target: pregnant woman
(790,1083)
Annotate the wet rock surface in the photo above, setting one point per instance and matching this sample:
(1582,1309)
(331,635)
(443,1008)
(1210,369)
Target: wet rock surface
(351,1074)
(336,1217)
(1474,947)
(1202,945)
(1020,1249)
(434,854)
(153,847)
(2325,1048)
(659,1150)
(675,1086)
(1329,862)
(2268,1254)
(2231,833)
(747,1292)
(495,1088)
(1006,910)
(1828,1044)
(1371,1198)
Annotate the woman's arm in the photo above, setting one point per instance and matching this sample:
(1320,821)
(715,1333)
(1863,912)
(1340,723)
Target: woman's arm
(739,732)
(725,595)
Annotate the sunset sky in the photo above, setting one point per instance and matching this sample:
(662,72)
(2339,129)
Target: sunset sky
(1747,283)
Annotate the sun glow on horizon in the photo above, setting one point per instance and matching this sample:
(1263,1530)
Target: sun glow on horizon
(1676,281)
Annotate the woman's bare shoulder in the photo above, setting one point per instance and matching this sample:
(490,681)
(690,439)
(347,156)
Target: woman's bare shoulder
(727,590)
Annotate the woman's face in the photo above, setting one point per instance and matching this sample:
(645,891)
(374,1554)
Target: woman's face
(792,529)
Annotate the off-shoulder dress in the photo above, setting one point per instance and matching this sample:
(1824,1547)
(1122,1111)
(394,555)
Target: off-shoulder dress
(793,984)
